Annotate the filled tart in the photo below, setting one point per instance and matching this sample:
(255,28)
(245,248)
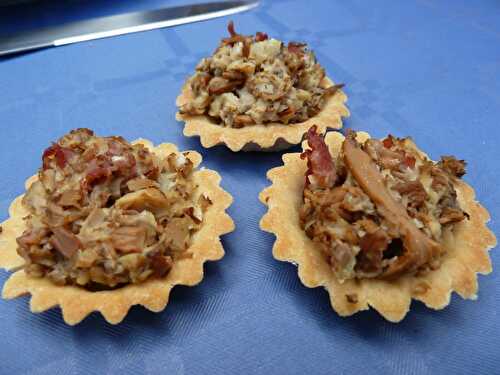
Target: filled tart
(107,224)
(258,93)
(377,223)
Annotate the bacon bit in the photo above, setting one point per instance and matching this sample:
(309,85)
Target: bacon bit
(1,229)
(60,154)
(246,49)
(409,161)
(94,177)
(68,153)
(388,143)
(161,264)
(65,242)
(319,161)
(260,36)
(230,29)
(48,155)
(234,36)
(295,47)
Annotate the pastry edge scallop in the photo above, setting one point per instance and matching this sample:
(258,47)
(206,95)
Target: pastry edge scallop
(270,137)
(77,303)
(391,299)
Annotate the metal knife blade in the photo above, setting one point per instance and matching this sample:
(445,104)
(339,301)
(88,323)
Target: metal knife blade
(127,23)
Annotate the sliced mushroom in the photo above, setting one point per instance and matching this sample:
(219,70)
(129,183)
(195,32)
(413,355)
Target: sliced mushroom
(419,248)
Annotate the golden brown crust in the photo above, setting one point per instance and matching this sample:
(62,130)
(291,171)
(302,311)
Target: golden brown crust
(269,137)
(467,250)
(76,303)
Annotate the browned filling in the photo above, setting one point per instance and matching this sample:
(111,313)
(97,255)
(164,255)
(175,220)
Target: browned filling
(255,80)
(104,212)
(380,209)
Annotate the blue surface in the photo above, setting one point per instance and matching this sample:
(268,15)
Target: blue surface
(423,68)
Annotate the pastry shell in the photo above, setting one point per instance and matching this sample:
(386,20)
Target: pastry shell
(76,302)
(269,137)
(467,249)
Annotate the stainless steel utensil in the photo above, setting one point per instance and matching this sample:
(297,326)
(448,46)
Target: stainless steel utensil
(105,27)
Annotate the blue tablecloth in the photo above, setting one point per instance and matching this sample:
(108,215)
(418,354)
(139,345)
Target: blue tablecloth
(430,69)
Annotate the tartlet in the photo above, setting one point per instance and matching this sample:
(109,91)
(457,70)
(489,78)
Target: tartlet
(258,94)
(107,224)
(377,223)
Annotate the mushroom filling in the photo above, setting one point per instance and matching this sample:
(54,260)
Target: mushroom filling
(104,212)
(380,209)
(256,80)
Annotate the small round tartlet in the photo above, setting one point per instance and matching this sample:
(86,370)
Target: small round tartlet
(377,223)
(258,94)
(108,224)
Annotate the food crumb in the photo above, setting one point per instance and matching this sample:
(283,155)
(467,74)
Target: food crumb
(352,298)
